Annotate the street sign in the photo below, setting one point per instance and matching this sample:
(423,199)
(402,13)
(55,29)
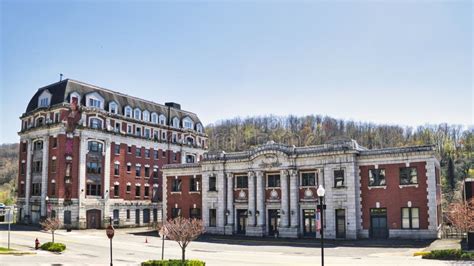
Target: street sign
(110,231)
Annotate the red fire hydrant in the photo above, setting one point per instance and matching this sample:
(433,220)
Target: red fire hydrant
(37,243)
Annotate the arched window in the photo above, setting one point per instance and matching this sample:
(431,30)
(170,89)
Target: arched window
(74,97)
(146,115)
(199,128)
(38,145)
(162,119)
(113,107)
(154,118)
(137,114)
(128,111)
(188,123)
(39,121)
(95,123)
(95,146)
(176,122)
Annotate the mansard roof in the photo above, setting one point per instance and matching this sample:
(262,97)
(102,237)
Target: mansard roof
(61,91)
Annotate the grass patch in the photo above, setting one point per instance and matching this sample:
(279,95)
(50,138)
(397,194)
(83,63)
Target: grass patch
(449,254)
(173,263)
(53,247)
(4,250)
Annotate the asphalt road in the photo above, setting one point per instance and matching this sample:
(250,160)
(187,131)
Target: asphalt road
(91,247)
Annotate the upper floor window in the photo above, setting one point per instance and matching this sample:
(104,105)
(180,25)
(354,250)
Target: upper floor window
(199,128)
(94,99)
(95,103)
(193,184)
(241,181)
(162,120)
(212,183)
(128,111)
(37,166)
(308,179)
(408,175)
(74,97)
(176,185)
(40,121)
(44,99)
(113,107)
(138,170)
(95,146)
(137,114)
(94,168)
(154,118)
(138,152)
(44,102)
(176,122)
(38,145)
(190,158)
(273,180)
(188,123)
(377,177)
(96,123)
(146,116)
(339,178)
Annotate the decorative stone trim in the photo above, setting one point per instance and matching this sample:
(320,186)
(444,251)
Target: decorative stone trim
(405,186)
(376,187)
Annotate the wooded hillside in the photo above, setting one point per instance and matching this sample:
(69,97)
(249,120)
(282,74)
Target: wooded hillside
(8,172)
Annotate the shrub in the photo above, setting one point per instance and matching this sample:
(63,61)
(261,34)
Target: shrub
(173,263)
(449,254)
(53,247)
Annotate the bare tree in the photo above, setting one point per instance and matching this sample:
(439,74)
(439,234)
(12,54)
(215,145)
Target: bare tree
(51,224)
(183,231)
(461,215)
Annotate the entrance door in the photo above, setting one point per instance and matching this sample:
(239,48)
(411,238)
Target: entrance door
(378,223)
(241,221)
(341,223)
(93,219)
(137,216)
(273,221)
(309,228)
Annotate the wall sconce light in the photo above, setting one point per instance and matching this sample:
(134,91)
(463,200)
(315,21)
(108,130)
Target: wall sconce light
(292,212)
(250,212)
(227,213)
(257,213)
(82,190)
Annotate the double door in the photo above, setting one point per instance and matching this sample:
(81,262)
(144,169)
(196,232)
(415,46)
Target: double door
(241,221)
(378,223)
(273,222)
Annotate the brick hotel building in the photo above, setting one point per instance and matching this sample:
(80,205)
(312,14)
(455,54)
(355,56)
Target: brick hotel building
(89,153)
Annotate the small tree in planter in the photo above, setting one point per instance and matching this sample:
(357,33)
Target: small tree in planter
(461,215)
(51,224)
(183,231)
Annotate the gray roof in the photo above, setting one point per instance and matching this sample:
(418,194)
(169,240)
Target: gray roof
(62,90)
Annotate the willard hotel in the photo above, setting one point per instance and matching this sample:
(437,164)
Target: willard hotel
(88,153)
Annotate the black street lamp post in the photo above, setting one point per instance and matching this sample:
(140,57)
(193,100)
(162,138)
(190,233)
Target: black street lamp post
(321,191)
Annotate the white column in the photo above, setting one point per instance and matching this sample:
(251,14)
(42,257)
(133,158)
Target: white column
(251,197)
(230,198)
(220,199)
(44,175)
(261,199)
(205,201)
(294,198)
(165,198)
(106,185)
(82,181)
(285,208)
(26,211)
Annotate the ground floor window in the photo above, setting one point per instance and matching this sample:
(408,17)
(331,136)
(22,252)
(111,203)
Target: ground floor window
(410,218)
(195,213)
(128,214)
(175,213)
(155,215)
(146,216)
(212,218)
(67,217)
(116,217)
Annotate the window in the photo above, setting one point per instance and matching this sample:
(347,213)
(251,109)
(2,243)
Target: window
(176,185)
(193,184)
(410,218)
(23,168)
(35,189)
(212,183)
(146,116)
(53,189)
(163,153)
(129,188)
(94,103)
(147,153)
(137,114)
(377,177)
(44,102)
(147,133)
(113,107)
(96,123)
(93,189)
(146,216)
(117,127)
(116,217)
(24,146)
(175,156)
(138,169)
(242,181)
(137,191)
(175,122)
(212,218)
(154,118)
(38,145)
(175,213)
(116,169)
(147,191)
(155,173)
(129,168)
(155,155)
(67,217)
(128,214)
(128,111)
(22,189)
(138,131)
(162,120)
(37,166)
(95,146)
(129,149)
(408,176)
(94,168)
(55,142)
(138,152)
(117,148)
(338,178)
(163,136)
(188,123)
(116,190)
(147,171)
(53,166)
(273,180)
(308,179)
(190,158)
(199,128)
(195,213)
(129,129)
(56,117)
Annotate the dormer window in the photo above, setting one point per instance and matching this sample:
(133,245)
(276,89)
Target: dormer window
(154,118)
(74,97)
(44,99)
(146,115)
(199,128)
(44,102)
(137,114)
(113,107)
(94,103)
(188,123)
(128,111)
(162,120)
(176,122)
(95,100)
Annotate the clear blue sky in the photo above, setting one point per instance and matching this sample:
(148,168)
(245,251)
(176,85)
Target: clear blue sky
(406,63)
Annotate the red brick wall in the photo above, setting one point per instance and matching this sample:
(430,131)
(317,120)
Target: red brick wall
(22,177)
(185,200)
(394,198)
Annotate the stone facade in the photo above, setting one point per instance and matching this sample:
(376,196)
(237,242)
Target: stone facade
(271,190)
